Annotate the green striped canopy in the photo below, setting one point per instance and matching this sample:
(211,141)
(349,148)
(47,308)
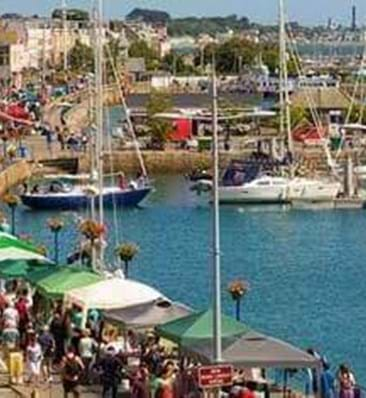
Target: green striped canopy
(12,248)
(57,283)
(198,327)
(21,269)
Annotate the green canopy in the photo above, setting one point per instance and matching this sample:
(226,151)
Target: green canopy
(12,248)
(19,268)
(199,326)
(56,284)
(37,274)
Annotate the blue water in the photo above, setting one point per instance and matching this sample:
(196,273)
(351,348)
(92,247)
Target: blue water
(306,269)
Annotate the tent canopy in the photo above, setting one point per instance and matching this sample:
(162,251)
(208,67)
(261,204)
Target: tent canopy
(20,268)
(199,326)
(148,314)
(12,248)
(255,350)
(112,293)
(58,283)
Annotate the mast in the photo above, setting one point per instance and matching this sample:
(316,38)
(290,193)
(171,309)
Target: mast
(99,113)
(64,34)
(285,115)
(216,302)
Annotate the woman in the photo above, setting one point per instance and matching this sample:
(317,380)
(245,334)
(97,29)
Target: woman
(34,359)
(346,382)
(72,369)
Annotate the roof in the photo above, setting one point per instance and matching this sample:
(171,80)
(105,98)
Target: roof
(113,293)
(136,65)
(323,98)
(255,350)
(198,327)
(148,314)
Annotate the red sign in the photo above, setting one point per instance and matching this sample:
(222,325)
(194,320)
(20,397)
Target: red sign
(215,376)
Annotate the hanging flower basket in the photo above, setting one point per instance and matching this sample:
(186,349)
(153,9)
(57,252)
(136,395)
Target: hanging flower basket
(55,224)
(238,289)
(11,200)
(92,230)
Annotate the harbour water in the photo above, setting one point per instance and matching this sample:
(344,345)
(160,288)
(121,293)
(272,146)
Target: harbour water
(306,269)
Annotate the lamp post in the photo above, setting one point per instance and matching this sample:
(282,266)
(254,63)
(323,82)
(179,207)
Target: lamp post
(216,302)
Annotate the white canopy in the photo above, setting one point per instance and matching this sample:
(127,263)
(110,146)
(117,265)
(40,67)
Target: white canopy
(111,294)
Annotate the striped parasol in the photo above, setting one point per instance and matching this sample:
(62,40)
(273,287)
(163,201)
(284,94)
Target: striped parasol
(12,248)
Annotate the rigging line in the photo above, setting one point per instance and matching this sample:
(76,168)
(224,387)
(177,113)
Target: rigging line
(125,107)
(316,118)
(116,234)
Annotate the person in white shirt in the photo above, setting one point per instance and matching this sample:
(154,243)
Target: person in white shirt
(11,315)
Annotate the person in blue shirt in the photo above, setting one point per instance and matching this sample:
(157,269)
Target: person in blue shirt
(327,382)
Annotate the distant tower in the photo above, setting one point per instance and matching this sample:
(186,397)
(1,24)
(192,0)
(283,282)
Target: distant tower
(354,18)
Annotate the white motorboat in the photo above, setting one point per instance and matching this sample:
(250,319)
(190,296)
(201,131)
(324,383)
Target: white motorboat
(312,190)
(262,190)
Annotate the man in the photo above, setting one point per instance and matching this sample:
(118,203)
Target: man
(47,343)
(111,372)
(71,371)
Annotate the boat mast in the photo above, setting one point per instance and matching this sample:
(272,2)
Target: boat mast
(99,115)
(64,33)
(285,115)
(216,302)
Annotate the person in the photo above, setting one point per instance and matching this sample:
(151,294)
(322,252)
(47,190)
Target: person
(327,382)
(71,370)
(110,367)
(165,384)
(122,181)
(10,336)
(34,359)
(87,348)
(11,314)
(139,385)
(22,307)
(47,343)
(346,382)
(58,333)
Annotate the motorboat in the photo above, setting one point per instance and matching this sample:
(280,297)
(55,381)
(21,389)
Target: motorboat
(261,190)
(312,190)
(61,195)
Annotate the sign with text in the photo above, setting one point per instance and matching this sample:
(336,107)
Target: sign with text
(215,376)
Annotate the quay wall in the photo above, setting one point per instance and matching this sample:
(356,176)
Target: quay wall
(157,162)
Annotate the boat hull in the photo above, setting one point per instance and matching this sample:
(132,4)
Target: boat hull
(313,190)
(130,198)
(252,195)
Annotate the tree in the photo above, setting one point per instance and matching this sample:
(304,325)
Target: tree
(71,14)
(158,103)
(55,225)
(12,201)
(149,16)
(81,58)
(140,49)
(126,252)
(238,289)
(114,58)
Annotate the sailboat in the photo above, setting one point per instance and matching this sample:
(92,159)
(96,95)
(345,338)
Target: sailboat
(261,187)
(77,192)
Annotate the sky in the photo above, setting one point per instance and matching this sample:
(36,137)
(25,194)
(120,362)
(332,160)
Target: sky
(305,11)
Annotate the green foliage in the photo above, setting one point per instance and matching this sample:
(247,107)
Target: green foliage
(298,115)
(140,49)
(159,102)
(358,114)
(149,16)
(81,58)
(114,58)
(72,14)
(175,64)
(193,26)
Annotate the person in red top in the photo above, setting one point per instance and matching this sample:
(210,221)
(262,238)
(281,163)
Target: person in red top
(22,307)
(247,391)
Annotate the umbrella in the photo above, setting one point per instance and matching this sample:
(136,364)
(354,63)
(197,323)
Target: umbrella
(21,269)
(12,248)
(198,327)
(58,283)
